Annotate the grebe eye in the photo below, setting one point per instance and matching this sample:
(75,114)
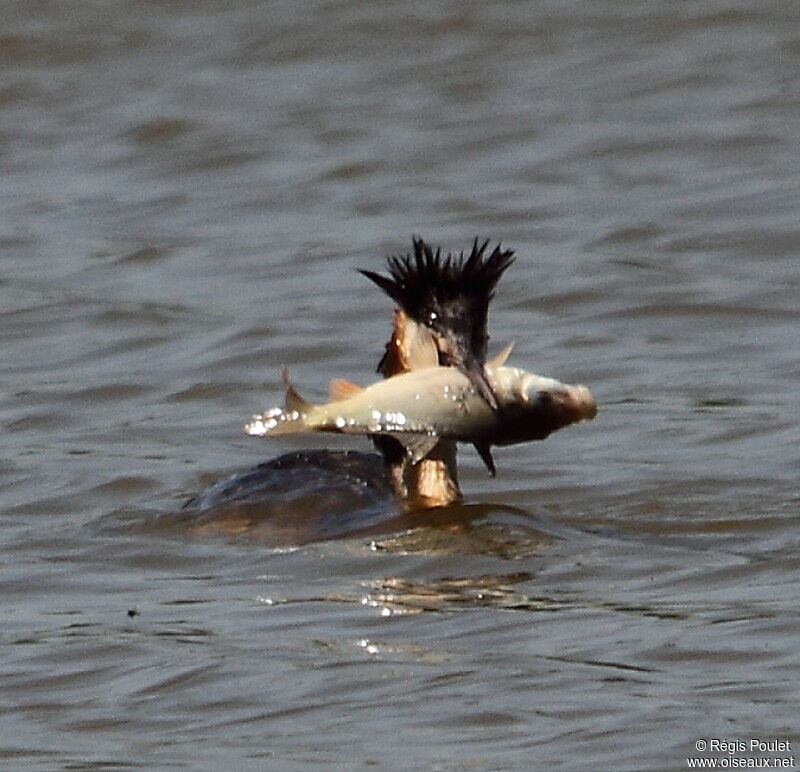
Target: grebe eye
(433,316)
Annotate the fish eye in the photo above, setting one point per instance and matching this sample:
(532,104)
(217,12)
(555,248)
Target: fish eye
(544,398)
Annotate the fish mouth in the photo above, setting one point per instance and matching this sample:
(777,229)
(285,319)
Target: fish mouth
(584,403)
(577,402)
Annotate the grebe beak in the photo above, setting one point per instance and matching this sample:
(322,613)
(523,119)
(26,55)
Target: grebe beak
(477,377)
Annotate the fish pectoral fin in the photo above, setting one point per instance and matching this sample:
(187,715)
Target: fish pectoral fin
(417,445)
(341,388)
(293,400)
(499,359)
(485,452)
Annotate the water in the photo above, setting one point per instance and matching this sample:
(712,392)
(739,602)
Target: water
(186,189)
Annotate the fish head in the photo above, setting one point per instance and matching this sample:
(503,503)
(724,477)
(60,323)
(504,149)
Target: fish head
(574,402)
(539,406)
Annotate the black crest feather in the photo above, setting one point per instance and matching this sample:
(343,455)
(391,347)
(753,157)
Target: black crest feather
(448,293)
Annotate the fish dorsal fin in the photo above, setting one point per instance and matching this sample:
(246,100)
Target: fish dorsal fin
(341,388)
(293,400)
(485,452)
(499,359)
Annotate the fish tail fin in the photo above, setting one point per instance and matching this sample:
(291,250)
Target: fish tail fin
(293,399)
(291,419)
(276,422)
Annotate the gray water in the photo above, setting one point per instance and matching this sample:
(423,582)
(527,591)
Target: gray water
(186,189)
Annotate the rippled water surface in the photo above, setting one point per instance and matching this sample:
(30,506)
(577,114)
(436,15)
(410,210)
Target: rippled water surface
(186,189)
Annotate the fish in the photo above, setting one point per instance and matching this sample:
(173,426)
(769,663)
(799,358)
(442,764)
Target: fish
(420,407)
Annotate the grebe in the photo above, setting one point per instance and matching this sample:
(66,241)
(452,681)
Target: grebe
(440,322)
(441,318)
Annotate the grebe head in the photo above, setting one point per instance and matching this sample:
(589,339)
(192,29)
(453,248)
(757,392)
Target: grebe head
(449,295)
